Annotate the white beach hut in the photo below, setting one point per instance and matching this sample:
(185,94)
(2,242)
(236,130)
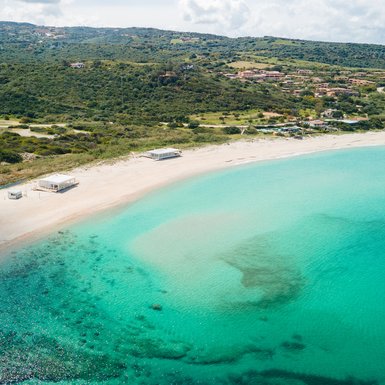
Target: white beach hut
(15,194)
(163,153)
(57,182)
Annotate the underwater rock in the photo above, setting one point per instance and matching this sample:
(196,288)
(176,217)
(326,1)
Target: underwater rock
(140,326)
(293,346)
(254,378)
(228,354)
(282,377)
(156,348)
(156,306)
(296,337)
(309,379)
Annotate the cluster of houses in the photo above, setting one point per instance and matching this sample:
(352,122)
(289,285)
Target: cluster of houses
(319,123)
(326,90)
(189,39)
(50,33)
(306,126)
(256,75)
(320,83)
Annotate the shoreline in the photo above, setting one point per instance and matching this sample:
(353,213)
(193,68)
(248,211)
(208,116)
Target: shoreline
(109,185)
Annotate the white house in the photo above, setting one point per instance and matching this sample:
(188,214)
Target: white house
(317,123)
(77,65)
(14,194)
(57,182)
(163,153)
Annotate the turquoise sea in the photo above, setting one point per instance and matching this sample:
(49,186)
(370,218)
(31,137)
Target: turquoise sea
(264,274)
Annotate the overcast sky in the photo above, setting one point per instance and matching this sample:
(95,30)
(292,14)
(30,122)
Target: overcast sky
(329,20)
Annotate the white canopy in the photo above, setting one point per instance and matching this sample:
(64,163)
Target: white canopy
(57,182)
(57,179)
(163,151)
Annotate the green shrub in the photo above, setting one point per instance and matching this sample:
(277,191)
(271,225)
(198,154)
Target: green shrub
(193,124)
(231,130)
(10,157)
(25,119)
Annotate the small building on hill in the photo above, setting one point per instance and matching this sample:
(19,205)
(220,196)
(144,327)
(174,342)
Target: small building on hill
(163,153)
(317,123)
(77,65)
(248,74)
(272,74)
(351,122)
(56,183)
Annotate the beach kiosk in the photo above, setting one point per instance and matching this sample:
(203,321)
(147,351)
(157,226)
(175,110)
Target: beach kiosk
(163,153)
(57,182)
(15,194)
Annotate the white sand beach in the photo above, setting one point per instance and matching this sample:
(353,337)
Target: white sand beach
(114,183)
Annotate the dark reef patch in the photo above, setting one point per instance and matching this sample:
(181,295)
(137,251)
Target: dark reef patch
(28,356)
(309,379)
(293,346)
(271,276)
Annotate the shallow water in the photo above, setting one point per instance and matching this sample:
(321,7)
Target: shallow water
(271,273)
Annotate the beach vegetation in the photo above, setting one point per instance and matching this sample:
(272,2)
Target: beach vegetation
(193,124)
(231,130)
(10,156)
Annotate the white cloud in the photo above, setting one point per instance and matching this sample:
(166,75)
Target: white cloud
(330,20)
(41,1)
(42,12)
(38,12)
(222,14)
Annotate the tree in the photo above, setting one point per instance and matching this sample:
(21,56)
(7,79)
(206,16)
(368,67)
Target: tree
(193,124)
(231,130)
(337,114)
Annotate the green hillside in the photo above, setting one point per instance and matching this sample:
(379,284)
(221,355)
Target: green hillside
(136,88)
(27,42)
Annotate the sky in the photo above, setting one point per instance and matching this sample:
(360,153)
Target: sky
(328,20)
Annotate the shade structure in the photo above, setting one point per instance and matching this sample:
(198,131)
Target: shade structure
(163,153)
(57,182)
